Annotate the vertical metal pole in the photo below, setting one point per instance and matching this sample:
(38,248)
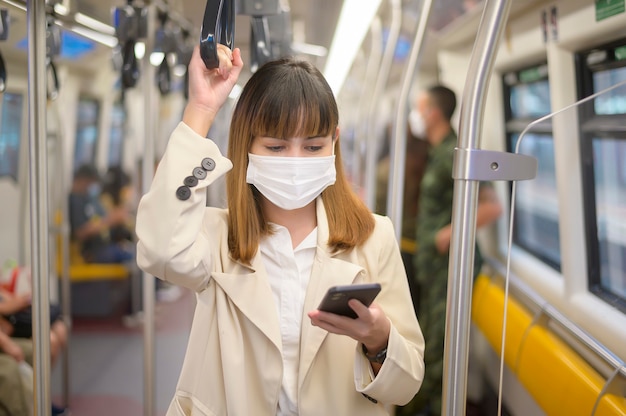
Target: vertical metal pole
(150,113)
(66,293)
(398,145)
(38,169)
(362,141)
(460,269)
(373,118)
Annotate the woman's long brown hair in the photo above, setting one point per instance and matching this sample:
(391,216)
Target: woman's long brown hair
(283,99)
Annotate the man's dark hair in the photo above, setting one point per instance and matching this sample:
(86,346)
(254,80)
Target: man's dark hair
(87,172)
(444,99)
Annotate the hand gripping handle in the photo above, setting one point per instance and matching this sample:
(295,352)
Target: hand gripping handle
(218,26)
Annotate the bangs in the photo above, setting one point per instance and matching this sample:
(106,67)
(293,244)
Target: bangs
(294,103)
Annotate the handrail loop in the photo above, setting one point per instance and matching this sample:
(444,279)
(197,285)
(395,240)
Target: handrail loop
(3,75)
(4,35)
(260,42)
(218,26)
(53,48)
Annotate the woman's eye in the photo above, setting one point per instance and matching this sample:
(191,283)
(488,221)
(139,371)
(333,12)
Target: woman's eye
(315,148)
(274,148)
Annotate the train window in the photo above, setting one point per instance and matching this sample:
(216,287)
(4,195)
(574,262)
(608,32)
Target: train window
(603,146)
(116,138)
(613,102)
(87,124)
(10,133)
(536,219)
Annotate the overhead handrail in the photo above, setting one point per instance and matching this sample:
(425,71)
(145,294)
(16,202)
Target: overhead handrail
(218,26)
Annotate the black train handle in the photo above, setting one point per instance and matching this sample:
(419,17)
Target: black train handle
(218,26)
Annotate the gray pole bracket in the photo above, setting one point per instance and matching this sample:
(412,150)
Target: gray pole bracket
(490,165)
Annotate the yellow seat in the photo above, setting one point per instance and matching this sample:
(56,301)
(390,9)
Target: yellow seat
(556,376)
(79,269)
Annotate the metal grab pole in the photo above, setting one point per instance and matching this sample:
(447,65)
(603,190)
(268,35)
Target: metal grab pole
(151,118)
(398,145)
(462,242)
(373,116)
(38,169)
(361,137)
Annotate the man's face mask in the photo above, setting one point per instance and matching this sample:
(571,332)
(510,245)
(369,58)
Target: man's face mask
(417,124)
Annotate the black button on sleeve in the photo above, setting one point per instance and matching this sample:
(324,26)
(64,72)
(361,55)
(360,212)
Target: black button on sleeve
(199,173)
(183,193)
(191,181)
(208,164)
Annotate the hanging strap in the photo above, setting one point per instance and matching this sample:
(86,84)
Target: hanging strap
(130,67)
(218,26)
(3,75)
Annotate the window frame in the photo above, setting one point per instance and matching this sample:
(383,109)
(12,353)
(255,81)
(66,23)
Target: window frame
(22,96)
(96,124)
(592,127)
(515,126)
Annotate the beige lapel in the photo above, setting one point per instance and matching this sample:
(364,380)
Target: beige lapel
(249,290)
(327,271)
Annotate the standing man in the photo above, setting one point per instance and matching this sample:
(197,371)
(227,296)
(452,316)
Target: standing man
(431,118)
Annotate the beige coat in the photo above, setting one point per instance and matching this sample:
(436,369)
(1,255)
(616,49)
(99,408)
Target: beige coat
(233,363)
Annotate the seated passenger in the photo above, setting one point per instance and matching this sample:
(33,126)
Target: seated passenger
(15,399)
(16,350)
(116,194)
(16,321)
(91,224)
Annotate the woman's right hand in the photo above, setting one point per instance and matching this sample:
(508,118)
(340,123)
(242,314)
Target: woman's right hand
(209,88)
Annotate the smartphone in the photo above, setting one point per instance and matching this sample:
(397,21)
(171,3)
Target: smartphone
(337,297)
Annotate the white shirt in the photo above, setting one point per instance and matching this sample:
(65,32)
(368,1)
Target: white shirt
(289,271)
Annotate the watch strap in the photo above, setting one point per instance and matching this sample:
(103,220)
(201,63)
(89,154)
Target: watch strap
(379,357)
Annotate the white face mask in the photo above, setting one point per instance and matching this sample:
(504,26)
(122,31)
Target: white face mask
(291,182)
(417,124)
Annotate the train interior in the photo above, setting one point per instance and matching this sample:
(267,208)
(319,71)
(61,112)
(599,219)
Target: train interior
(548,312)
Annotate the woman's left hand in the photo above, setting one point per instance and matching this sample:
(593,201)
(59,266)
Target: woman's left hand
(371,328)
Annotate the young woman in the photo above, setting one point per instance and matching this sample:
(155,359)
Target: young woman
(293,228)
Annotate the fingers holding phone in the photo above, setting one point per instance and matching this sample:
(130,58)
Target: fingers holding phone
(349,310)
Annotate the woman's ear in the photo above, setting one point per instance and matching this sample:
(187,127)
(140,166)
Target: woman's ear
(336,135)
